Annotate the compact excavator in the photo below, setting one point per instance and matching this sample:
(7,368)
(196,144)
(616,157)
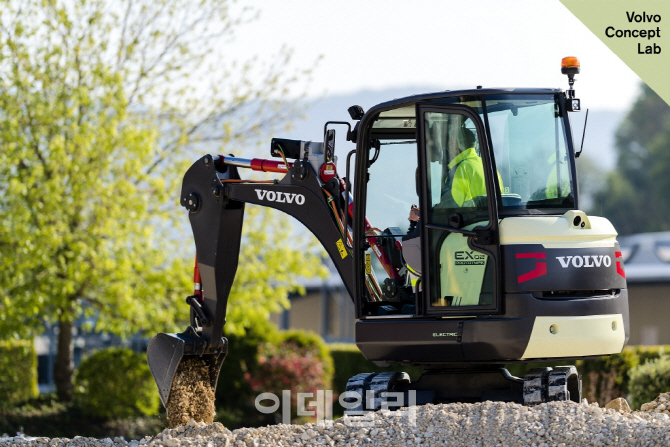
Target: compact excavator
(500,266)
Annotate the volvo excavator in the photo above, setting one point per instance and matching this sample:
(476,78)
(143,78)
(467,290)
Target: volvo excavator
(501,266)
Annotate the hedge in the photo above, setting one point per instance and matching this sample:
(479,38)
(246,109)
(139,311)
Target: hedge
(18,372)
(648,380)
(314,342)
(46,416)
(116,383)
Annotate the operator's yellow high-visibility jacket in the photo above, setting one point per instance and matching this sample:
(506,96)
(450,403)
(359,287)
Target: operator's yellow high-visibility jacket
(467,172)
(551,191)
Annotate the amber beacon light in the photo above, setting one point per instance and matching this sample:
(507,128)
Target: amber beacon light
(570,67)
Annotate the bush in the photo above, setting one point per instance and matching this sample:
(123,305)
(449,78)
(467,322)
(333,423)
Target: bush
(288,366)
(18,372)
(314,346)
(234,396)
(606,378)
(298,361)
(242,376)
(648,380)
(116,383)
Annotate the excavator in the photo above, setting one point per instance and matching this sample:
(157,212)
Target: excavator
(499,266)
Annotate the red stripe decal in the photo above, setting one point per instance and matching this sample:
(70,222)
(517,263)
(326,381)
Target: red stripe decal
(540,267)
(619,264)
(531,255)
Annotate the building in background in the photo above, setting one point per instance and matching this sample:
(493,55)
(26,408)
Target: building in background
(647,265)
(326,309)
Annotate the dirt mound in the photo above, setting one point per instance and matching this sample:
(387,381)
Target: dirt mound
(191,396)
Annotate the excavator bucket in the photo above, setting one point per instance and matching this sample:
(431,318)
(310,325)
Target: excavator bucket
(167,351)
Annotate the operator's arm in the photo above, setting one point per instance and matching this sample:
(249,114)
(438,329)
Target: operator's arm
(413,214)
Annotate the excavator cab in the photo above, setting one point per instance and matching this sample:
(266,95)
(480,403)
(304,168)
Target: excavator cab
(511,270)
(500,267)
(463,187)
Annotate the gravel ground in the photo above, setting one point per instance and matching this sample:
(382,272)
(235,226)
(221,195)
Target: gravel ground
(559,424)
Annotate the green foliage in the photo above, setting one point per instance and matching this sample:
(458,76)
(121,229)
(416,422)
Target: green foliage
(236,393)
(640,178)
(82,212)
(316,347)
(648,380)
(18,372)
(606,378)
(234,397)
(48,417)
(103,109)
(116,383)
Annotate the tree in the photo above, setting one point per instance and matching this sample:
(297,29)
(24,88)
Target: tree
(635,195)
(101,107)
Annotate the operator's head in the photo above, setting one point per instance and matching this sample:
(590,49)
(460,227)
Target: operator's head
(464,140)
(468,139)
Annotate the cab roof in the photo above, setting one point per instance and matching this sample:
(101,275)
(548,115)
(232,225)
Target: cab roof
(399,115)
(467,92)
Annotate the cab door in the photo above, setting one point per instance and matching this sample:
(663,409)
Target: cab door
(459,220)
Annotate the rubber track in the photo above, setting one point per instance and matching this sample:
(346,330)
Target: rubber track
(375,382)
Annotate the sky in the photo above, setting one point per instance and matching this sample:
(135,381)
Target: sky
(446,44)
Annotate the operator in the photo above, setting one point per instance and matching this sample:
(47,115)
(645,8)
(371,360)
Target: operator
(465,182)
(466,171)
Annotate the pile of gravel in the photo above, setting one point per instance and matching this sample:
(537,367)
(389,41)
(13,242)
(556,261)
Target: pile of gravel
(660,405)
(558,424)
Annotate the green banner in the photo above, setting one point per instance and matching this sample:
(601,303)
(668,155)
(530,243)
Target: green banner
(638,31)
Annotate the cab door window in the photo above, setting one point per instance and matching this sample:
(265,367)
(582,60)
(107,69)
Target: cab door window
(461,274)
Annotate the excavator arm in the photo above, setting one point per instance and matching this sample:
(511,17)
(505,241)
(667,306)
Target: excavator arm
(215,196)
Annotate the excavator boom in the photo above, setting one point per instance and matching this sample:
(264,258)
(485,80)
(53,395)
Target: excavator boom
(215,195)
